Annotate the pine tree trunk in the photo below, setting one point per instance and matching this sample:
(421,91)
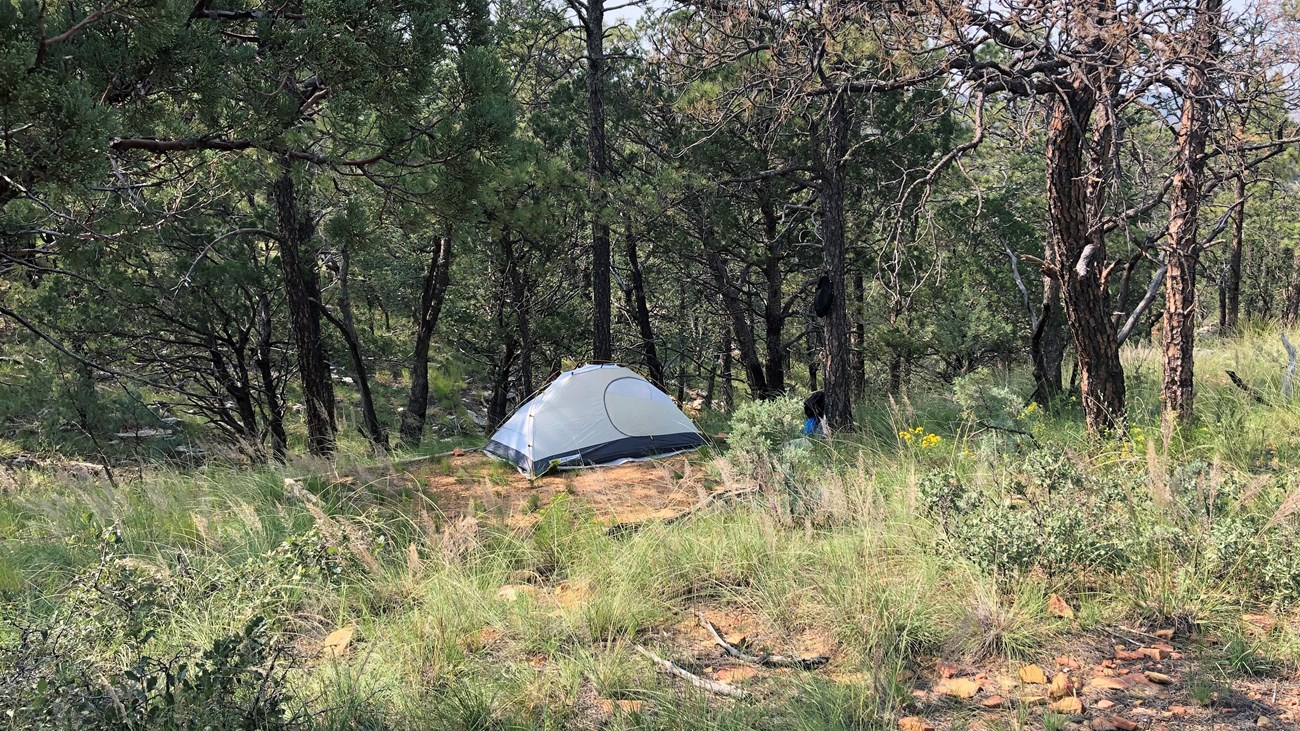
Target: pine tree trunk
(641,313)
(1047,344)
(1077,256)
(346,325)
(302,289)
(774,305)
(274,407)
(597,172)
(1230,311)
(859,334)
(1177,393)
(436,279)
(838,372)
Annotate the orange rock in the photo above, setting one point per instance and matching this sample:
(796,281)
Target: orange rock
(1165,634)
(1104,704)
(958,688)
(945,669)
(1033,675)
(1057,607)
(1061,686)
(913,723)
(1155,653)
(1129,655)
(1102,724)
(1069,705)
(1123,724)
(1178,711)
(1158,678)
(994,701)
(1068,662)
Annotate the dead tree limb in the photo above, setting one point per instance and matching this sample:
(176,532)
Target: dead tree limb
(767,661)
(711,686)
(1250,390)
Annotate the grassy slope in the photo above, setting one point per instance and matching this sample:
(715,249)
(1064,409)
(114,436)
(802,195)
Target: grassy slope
(879,562)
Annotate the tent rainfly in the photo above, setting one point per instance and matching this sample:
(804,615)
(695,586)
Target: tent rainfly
(593,415)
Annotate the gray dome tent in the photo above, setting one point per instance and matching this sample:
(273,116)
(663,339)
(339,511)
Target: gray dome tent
(593,415)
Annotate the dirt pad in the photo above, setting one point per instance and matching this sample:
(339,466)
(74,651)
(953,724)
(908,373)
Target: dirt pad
(627,493)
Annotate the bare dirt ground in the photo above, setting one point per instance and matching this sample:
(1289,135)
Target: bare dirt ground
(465,483)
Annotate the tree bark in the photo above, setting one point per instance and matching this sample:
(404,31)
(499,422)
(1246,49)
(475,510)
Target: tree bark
(346,324)
(274,406)
(436,278)
(838,372)
(773,306)
(859,334)
(1230,309)
(1077,255)
(302,289)
(597,174)
(1177,390)
(637,302)
(1047,344)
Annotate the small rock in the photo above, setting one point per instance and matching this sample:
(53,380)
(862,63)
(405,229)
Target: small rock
(1123,724)
(994,701)
(1068,662)
(1057,607)
(1264,722)
(336,643)
(1158,678)
(1033,675)
(1061,686)
(958,688)
(1069,705)
(1104,704)
(1165,634)
(913,723)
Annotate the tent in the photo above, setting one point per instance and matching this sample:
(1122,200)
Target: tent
(593,415)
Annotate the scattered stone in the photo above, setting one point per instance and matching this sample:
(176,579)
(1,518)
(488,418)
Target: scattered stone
(1123,724)
(913,723)
(1069,705)
(1128,655)
(336,643)
(1033,675)
(994,701)
(1061,686)
(1155,653)
(945,669)
(1165,634)
(958,688)
(1158,678)
(1178,711)
(1068,662)
(1102,724)
(1264,722)
(1104,704)
(1057,607)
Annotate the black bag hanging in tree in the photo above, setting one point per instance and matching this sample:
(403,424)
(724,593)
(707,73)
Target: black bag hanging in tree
(824,297)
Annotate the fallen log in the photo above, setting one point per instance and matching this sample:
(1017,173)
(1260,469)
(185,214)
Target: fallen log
(767,661)
(1236,381)
(711,686)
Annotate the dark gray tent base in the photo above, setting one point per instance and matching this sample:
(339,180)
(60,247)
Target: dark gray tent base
(598,454)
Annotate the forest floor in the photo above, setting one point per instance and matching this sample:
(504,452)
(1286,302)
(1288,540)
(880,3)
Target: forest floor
(924,572)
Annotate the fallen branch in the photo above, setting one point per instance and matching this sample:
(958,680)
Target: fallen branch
(1236,381)
(711,686)
(767,661)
